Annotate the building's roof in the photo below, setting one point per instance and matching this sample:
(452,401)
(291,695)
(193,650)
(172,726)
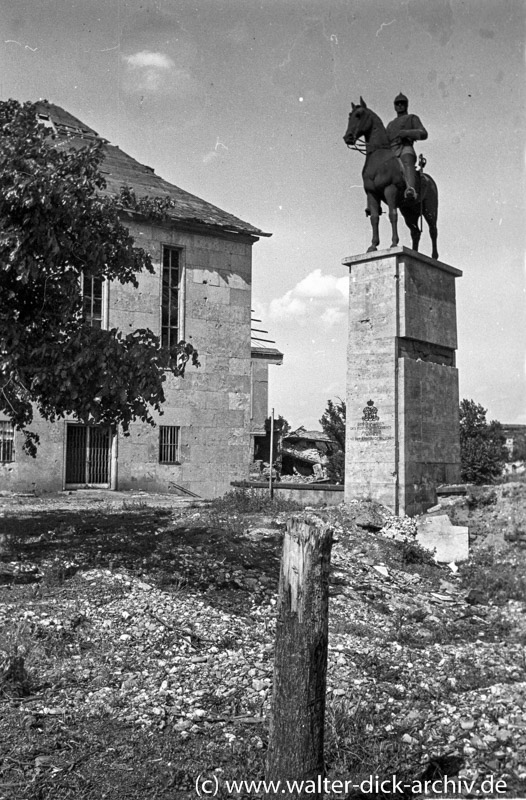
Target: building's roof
(310,436)
(267,353)
(120,169)
(261,347)
(310,455)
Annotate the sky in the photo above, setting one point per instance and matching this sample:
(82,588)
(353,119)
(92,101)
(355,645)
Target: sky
(245,104)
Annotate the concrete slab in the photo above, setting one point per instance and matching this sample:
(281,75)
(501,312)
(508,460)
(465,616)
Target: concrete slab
(449,542)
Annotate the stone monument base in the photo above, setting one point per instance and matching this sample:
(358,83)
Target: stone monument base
(402,436)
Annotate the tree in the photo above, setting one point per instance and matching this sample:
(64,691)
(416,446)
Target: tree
(281,429)
(482,445)
(281,426)
(333,423)
(57,229)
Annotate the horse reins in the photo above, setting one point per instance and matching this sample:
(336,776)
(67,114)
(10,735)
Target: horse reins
(361,148)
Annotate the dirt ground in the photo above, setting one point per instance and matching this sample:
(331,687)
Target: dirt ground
(145,625)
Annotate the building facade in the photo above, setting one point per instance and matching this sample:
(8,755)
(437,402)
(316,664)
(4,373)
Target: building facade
(200,292)
(264,354)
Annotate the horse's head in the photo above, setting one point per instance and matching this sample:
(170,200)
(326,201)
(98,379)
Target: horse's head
(360,123)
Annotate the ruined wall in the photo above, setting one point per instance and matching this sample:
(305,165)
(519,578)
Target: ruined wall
(402,386)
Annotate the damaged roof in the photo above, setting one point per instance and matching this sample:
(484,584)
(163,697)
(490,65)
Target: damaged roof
(310,436)
(119,169)
(261,347)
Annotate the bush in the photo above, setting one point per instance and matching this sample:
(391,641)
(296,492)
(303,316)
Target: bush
(500,576)
(414,553)
(252,501)
(482,446)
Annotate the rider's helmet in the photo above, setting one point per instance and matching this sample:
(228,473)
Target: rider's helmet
(401,98)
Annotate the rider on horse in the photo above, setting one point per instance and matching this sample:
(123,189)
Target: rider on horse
(402,132)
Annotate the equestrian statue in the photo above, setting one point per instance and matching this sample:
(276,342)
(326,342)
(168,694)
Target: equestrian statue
(390,175)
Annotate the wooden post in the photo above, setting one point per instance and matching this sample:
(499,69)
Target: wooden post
(295,750)
(270,485)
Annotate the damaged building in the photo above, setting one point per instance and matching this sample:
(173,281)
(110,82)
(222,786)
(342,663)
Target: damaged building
(202,284)
(305,455)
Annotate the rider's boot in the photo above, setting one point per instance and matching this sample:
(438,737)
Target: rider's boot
(409,160)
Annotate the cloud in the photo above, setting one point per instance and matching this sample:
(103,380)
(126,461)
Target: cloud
(317,298)
(149,72)
(332,316)
(212,155)
(146,59)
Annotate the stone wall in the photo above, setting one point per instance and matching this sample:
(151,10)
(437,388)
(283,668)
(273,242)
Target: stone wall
(259,411)
(43,473)
(429,432)
(211,404)
(304,494)
(371,448)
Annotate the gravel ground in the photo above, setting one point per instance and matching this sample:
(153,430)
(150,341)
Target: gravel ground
(438,671)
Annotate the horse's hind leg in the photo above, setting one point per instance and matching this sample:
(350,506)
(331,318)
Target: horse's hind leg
(415,234)
(431,219)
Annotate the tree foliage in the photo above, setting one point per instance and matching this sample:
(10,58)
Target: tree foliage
(56,226)
(482,445)
(281,426)
(333,423)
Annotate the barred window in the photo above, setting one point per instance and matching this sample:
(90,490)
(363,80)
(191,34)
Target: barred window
(7,442)
(169,444)
(171,278)
(92,290)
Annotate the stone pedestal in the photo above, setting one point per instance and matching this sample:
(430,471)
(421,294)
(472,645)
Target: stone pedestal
(402,435)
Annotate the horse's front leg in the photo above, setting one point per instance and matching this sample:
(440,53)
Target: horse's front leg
(390,197)
(373,211)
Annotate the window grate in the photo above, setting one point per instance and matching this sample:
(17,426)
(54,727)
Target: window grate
(169,444)
(170,298)
(7,442)
(88,452)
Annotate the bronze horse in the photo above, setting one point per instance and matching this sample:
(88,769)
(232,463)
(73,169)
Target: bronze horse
(384,181)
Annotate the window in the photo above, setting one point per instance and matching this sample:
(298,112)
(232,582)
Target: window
(92,300)
(7,442)
(171,278)
(169,440)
